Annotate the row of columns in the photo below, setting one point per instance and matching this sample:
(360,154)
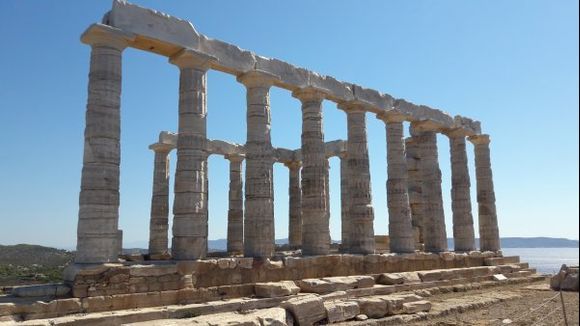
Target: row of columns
(98,234)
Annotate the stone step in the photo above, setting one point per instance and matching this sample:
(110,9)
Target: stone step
(511,259)
(245,304)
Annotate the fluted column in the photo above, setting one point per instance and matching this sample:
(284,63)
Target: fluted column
(435,235)
(190,203)
(236,206)
(400,226)
(463,233)
(488,227)
(295,205)
(415,190)
(158,224)
(344,204)
(362,236)
(97,231)
(316,230)
(259,205)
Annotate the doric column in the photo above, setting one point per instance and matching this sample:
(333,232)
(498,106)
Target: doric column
(236,206)
(158,224)
(97,232)
(259,205)
(488,228)
(463,233)
(362,235)
(316,230)
(435,235)
(190,203)
(400,226)
(415,190)
(344,204)
(295,205)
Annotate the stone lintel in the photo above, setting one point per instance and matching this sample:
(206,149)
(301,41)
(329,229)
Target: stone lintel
(189,58)
(161,147)
(220,147)
(372,98)
(104,35)
(258,78)
(470,126)
(284,155)
(482,139)
(167,137)
(427,126)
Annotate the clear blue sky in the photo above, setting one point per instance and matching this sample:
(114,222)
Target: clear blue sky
(511,64)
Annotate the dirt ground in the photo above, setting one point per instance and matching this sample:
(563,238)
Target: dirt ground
(537,306)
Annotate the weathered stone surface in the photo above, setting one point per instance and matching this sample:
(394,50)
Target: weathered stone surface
(416,306)
(337,311)
(236,206)
(276,289)
(499,277)
(306,310)
(373,307)
(42,290)
(158,224)
(390,279)
(294,205)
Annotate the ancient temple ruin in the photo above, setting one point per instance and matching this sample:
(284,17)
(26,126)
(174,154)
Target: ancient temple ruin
(179,271)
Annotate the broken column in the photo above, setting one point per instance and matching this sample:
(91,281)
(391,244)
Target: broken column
(236,206)
(435,235)
(463,233)
(400,225)
(259,205)
(488,228)
(295,205)
(361,213)
(158,224)
(315,222)
(97,230)
(190,204)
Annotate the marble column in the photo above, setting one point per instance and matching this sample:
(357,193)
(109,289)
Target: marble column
(463,233)
(97,231)
(236,206)
(316,229)
(362,235)
(488,227)
(190,204)
(158,224)
(435,235)
(295,205)
(344,204)
(400,225)
(259,205)
(415,190)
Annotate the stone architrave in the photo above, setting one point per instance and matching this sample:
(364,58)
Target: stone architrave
(400,225)
(295,205)
(315,219)
(97,231)
(463,232)
(190,204)
(236,206)
(488,227)
(361,213)
(415,189)
(435,235)
(259,204)
(158,224)
(344,204)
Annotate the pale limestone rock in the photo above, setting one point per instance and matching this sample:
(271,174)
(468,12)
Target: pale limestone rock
(276,289)
(190,188)
(306,310)
(158,224)
(488,228)
(40,290)
(391,279)
(361,317)
(295,205)
(499,278)
(416,306)
(236,206)
(373,307)
(415,189)
(259,204)
(338,311)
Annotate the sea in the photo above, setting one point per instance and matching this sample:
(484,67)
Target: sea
(545,260)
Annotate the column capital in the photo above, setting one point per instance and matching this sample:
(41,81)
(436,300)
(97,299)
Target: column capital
(257,78)
(189,58)
(480,139)
(390,116)
(309,94)
(161,147)
(235,157)
(352,106)
(425,126)
(104,35)
(293,165)
(456,133)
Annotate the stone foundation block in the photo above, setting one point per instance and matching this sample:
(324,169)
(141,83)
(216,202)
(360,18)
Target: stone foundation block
(416,306)
(337,311)
(307,309)
(390,279)
(275,289)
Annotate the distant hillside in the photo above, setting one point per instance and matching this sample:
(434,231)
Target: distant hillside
(537,242)
(25,254)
